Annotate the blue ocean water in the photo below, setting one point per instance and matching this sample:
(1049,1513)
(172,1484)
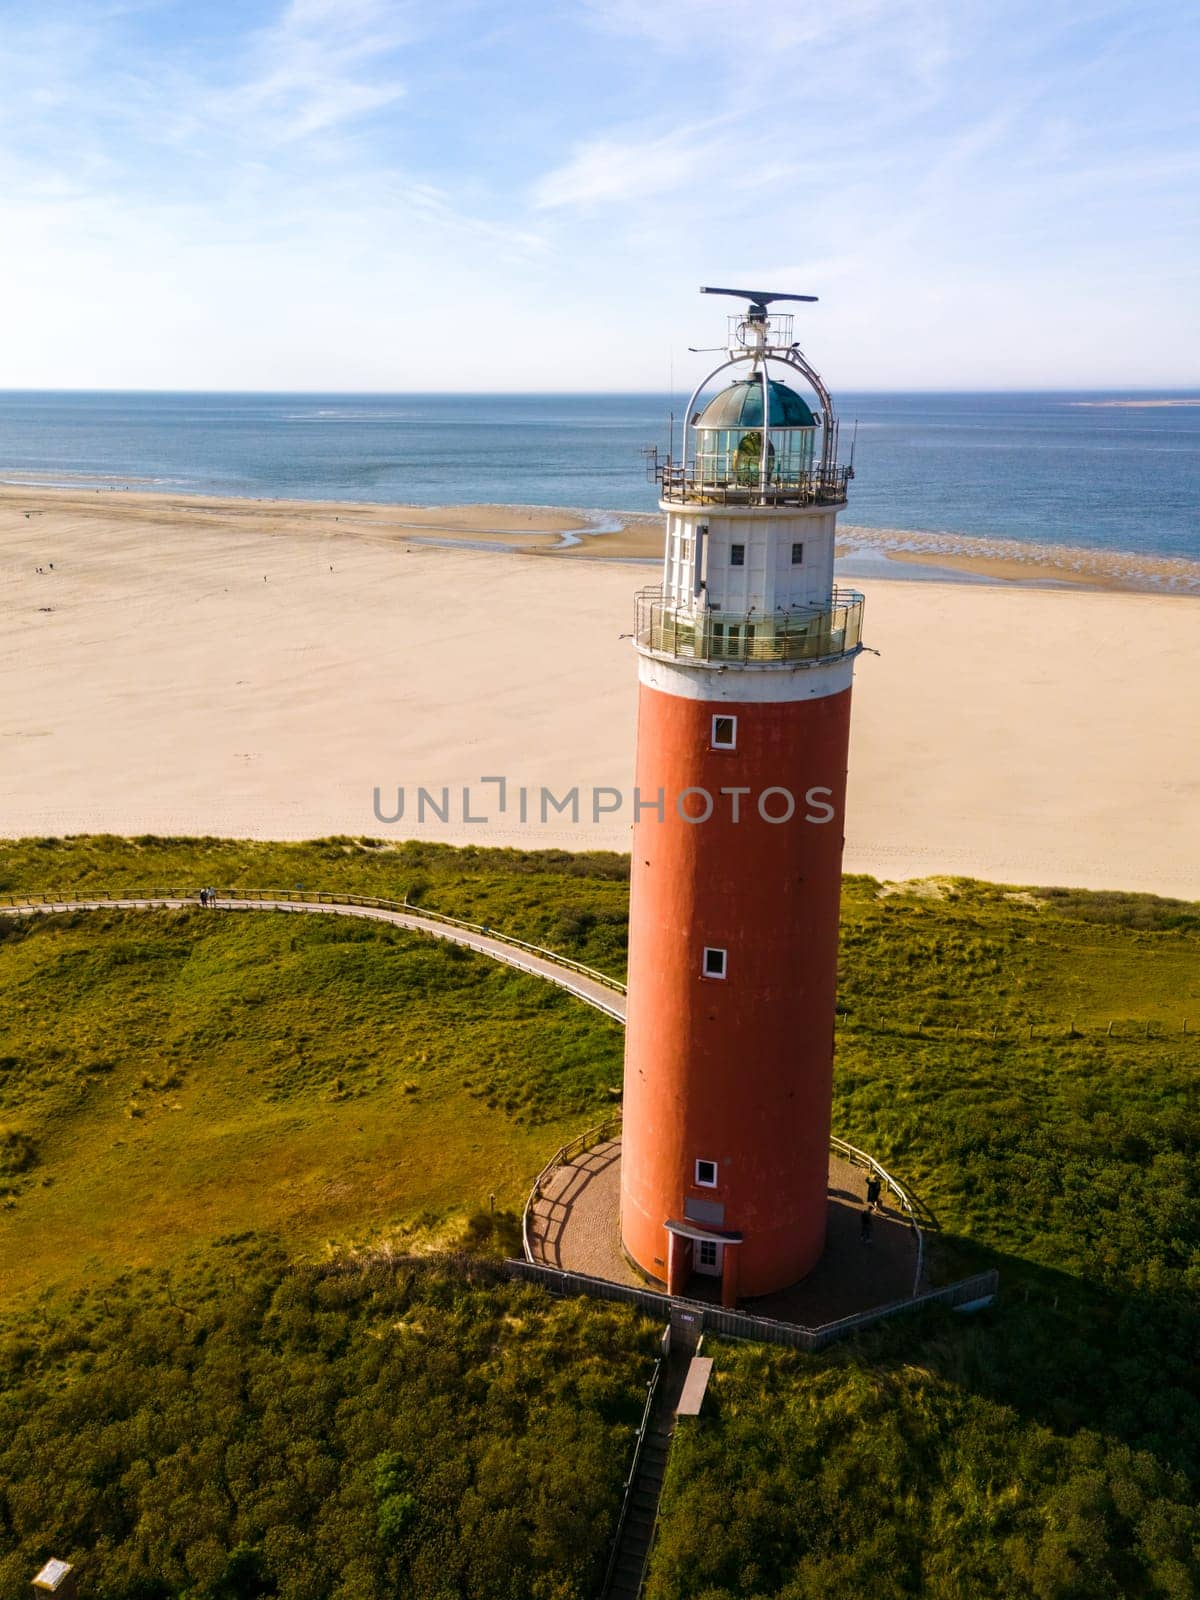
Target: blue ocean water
(1041,468)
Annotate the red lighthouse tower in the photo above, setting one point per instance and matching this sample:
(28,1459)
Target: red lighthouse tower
(745,658)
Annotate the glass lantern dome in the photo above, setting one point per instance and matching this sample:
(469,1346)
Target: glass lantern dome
(728,435)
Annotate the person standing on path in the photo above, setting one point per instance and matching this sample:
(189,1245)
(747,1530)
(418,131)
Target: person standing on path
(873,1190)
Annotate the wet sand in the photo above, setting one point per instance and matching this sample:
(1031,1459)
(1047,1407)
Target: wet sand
(1034,565)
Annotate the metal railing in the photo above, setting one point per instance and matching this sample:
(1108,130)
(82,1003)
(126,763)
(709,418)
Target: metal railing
(566,1152)
(805,633)
(686,482)
(631,1477)
(611,1126)
(860,1158)
(978,1289)
(322,897)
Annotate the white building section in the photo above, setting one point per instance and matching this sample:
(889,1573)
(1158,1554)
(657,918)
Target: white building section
(751,508)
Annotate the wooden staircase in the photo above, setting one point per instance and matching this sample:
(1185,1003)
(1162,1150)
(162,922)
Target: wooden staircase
(635,1534)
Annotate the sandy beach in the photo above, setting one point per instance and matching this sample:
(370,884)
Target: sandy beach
(259,668)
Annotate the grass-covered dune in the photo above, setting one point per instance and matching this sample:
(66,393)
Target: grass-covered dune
(170,1077)
(1048,1449)
(948,1461)
(573,902)
(217,1378)
(1026,1060)
(244,1427)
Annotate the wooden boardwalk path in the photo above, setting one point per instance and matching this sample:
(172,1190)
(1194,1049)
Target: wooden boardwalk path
(604,993)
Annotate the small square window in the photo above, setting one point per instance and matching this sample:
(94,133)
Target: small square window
(714,962)
(706,1175)
(724,733)
(797,555)
(737,555)
(708,1252)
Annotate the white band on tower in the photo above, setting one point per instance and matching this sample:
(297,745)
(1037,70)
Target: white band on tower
(745,684)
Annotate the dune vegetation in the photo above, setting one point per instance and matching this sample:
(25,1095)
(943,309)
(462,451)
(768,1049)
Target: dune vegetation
(577,903)
(243,1426)
(1031,1066)
(222,1138)
(169,1077)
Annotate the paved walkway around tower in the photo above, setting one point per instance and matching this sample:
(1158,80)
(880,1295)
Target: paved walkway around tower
(575,1225)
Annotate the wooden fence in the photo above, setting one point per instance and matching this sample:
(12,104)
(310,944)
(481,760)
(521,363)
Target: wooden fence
(977,1290)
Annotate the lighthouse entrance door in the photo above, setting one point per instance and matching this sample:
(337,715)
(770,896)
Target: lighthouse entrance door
(708,1257)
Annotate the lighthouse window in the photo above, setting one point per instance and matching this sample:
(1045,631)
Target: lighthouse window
(714,962)
(724,733)
(706,1175)
(737,555)
(797,555)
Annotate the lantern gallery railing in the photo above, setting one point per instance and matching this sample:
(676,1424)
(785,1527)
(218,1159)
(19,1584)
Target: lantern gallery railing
(800,634)
(699,482)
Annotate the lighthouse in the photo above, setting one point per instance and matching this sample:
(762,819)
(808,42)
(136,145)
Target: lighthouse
(745,655)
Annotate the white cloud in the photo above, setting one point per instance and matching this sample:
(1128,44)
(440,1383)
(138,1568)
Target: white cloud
(321,64)
(758,31)
(342,195)
(607,170)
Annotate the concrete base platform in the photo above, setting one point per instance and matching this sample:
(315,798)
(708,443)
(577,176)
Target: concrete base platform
(575,1225)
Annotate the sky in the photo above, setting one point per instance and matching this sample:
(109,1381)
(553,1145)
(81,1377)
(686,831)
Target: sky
(491,195)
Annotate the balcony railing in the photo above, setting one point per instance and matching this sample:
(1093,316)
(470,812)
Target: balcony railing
(695,483)
(802,633)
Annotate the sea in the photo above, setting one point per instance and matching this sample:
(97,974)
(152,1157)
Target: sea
(1039,468)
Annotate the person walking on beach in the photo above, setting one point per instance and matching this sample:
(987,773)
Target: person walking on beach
(873,1188)
(864,1225)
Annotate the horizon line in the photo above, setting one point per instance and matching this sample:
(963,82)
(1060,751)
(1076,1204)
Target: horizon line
(570,394)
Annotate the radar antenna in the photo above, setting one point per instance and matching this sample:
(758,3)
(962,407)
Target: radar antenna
(759,336)
(759,299)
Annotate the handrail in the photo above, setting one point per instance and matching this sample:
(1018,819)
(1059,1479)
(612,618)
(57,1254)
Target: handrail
(840,594)
(566,1152)
(606,1129)
(793,634)
(824,485)
(325,897)
(885,1177)
(743,1324)
(631,1478)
